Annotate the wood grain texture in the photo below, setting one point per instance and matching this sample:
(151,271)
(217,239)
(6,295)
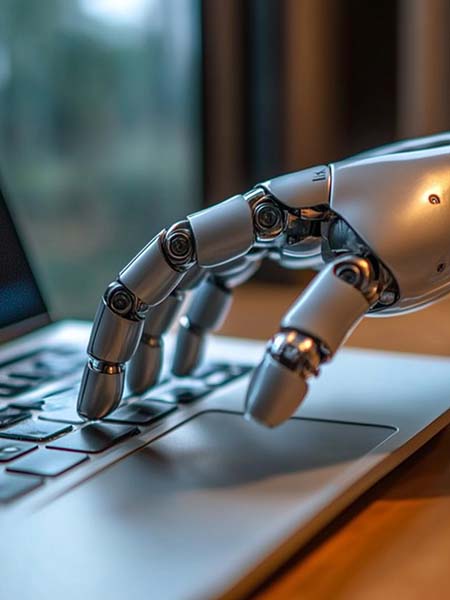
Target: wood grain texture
(395,541)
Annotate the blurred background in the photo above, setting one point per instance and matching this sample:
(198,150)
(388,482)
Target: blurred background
(118,117)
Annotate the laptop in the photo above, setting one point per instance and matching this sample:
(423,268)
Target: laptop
(176,495)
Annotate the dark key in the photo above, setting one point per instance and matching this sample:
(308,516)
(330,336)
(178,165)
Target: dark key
(56,364)
(35,431)
(183,393)
(10,450)
(13,486)
(66,350)
(95,437)
(60,392)
(60,408)
(9,416)
(239,370)
(9,390)
(208,369)
(12,383)
(217,375)
(27,404)
(27,376)
(59,402)
(44,365)
(47,463)
(140,413)
(62,415)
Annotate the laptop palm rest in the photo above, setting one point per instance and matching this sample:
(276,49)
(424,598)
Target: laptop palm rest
(196,509)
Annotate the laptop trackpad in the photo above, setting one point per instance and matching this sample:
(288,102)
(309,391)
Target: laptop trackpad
(222,450)
(194,510)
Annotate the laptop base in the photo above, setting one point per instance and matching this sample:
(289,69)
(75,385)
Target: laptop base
(205,504)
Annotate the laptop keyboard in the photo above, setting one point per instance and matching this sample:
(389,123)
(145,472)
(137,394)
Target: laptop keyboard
(22,375)
(41,434)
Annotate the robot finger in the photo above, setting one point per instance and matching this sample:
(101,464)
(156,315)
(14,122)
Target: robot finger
(208,310)
(310,333)
(208,238)
(145,366)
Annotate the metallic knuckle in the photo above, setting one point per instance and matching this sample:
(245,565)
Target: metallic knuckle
(359,273)
(101,366)
(124,303)
(388,297)
(178,246)
(269,219)
(298,352)
(340,238)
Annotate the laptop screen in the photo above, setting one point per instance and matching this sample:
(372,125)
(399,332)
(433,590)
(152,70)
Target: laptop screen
(20,298)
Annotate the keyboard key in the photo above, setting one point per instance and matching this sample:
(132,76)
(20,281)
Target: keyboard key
(47,463)
(13,486)
(94,438)
(35,431)
(60,408)
(27,404)
(32,376)
(67,350)
(238,370)
(60,392)
(11,450)
(9,390)
(183,392)
(9,416)
(217,375)
(62,415)
(30,370)
(17,360)
(59,402)
(56,364)
(140,413)
(208,368)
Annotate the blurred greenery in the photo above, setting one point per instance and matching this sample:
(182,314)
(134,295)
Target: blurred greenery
(99,133)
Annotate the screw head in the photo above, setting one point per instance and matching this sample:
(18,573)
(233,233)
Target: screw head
(268,219)
(121,302)
(179,245)
(434,199)
(387,298)
(350,275)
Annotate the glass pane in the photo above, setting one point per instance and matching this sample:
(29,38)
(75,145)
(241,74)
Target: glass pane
(99,133)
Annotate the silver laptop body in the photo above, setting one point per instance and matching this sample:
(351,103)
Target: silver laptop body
(202,503)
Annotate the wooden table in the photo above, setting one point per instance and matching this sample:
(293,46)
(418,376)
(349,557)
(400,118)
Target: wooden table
(394,542)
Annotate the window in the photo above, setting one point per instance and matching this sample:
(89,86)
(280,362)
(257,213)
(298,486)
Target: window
(99,133)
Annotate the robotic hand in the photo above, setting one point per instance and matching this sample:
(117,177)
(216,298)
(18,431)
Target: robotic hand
(378,223)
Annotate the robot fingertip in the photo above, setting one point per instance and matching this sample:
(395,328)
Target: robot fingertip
(99,394)
(274,393)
